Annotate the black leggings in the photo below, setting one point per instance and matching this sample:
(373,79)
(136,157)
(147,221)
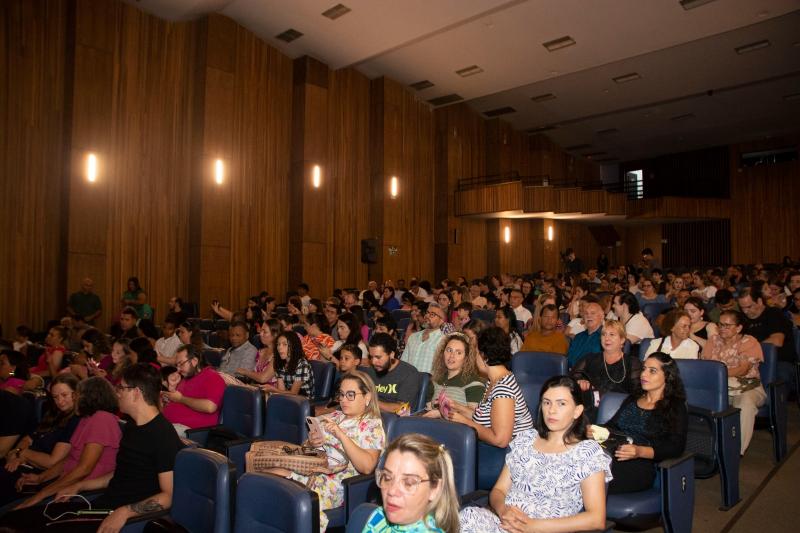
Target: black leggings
(631,476)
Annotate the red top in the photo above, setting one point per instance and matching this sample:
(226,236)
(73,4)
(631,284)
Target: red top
(206,385)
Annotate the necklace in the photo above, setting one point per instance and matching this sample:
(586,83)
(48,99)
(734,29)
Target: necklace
(624,371)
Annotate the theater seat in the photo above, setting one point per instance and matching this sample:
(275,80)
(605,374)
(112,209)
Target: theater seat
(532,369)
(324,374)
(272,504)
(242,417)
(775,408)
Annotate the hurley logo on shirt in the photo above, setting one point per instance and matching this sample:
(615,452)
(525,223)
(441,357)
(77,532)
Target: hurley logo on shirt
(387,389)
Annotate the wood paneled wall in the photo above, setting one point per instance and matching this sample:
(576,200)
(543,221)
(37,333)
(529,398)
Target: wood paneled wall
(33,72)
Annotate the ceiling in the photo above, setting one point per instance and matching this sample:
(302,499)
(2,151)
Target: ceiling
(694,90)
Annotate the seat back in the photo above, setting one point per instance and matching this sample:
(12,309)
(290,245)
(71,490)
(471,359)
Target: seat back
(203,491)
(609,405)
(286,418)
(388,420)
(459,439)
(399,314)
(243,411)
(484,315)
(324,374)
(706,383)
(424,384)
(652,310)
(213,357)
(532,369)
(358,519)
(644,346)
(769,367)
(272,504)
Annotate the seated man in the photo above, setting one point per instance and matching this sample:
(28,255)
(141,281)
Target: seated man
(515,299)
(421,346)
(396,382)
(723,301)
(142,480)
(169,342)
(197,399)
(241,354)
(547,338)
(587,341)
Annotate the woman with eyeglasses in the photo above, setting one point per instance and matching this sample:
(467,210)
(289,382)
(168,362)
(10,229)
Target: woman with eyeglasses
(742,355)
(417,489)
(454,372)
(93,444)
(649,293)
(554,478)
(353,435)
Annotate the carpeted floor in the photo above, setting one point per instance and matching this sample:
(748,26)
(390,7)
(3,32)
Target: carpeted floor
(769,492)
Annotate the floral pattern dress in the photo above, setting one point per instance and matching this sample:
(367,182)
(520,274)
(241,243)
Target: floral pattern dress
(543,485)
(368,434)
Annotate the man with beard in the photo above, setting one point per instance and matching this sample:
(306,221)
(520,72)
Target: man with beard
(196,400)
(396,381)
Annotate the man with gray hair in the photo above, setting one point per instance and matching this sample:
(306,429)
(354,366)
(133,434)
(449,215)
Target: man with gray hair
(421,346)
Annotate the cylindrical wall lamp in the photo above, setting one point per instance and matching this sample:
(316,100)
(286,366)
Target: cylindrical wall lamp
(393,187)
(507,234)
(219,171)
(91,168)
(316,176)
(550,233)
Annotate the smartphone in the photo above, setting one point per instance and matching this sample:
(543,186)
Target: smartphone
(315,426)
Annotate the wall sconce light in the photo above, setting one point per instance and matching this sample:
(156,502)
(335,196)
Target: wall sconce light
(91,168)
(549,233)
(219,171)
(393,187)
(507,234)
(316,176)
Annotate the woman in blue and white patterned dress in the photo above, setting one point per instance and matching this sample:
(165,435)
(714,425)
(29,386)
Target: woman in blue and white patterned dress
(551,474)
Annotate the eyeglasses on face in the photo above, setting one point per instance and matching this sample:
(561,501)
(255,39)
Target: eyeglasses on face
(350,395)
(408,483)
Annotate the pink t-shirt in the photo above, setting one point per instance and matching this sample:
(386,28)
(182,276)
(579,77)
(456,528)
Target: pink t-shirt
(100,428)
(13,384)
(207,385)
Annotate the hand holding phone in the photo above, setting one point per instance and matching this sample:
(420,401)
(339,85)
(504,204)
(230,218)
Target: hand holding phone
(445,407)
(316,431)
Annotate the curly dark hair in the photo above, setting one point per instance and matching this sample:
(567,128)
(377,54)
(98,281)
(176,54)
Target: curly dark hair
(494,346)
(674,392)
(96,394)
(577,431)
(295,352)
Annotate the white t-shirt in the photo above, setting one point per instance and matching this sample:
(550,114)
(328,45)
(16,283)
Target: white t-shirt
(638,326)
(688,349)
(575,326)
(706,293)
(168,347)
(523,314)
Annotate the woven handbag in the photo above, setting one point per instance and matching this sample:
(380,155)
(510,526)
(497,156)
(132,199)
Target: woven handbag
(303,460)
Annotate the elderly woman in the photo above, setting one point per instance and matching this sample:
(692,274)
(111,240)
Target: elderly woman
(676,342)
(455,372)
(609,371)
(741,354)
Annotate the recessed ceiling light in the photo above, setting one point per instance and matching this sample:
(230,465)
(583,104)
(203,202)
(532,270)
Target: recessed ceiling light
(633,76)
(577,147)
(792,97)
(685,116)
(543,97)
(289,35)
(558,44)
(336,11)
(446,99)
(420,85)
(691,4)
(752,47)
(608,131)
(469,71)
(499,111)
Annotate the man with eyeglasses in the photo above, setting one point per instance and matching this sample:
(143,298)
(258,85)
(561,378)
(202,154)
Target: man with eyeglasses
(197,399)
(396,382)
(421,346)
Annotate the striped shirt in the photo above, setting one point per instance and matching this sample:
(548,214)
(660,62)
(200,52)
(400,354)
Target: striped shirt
(506,387)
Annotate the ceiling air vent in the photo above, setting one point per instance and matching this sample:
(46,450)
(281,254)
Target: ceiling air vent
(420,85)
(558,44)
(609,131)
(336,11)
(633,76)
(469,71)
(543,98)
(691,4)
(289,35)
(752,47)
(499,111)
(446,99)
(577,147)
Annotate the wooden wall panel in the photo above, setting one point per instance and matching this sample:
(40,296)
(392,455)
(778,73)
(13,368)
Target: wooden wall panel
(349,174)
(33,44)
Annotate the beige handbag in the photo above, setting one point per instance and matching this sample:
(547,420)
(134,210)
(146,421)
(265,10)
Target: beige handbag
(303,460)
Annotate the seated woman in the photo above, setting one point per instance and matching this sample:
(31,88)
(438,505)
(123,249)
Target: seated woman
(48,444)
(741,354)
(388,299)
(49,363)
(554,479)
(455,371)
(317,341)
(14,374)
(95,349)
(417,489)
(93,445)
(112,366)
(349,330)
(702,290)
(353,435)
(264,372)
(655,418)
(609,371)
(506,319)
(676,341)
(626,307)
(293,372)
(649,293)
(700,329)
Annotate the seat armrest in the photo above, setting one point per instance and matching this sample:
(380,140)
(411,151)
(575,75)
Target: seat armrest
(476,498)
(200,435)
(677,493)
(676,462)
(694,410)
(236,449)
(357,490)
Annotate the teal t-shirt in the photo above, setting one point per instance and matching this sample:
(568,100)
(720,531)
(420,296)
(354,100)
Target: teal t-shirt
(377,523)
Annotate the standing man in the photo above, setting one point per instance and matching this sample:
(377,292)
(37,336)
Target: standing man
(421,346)
(572,265)
(85,302)
(396,382)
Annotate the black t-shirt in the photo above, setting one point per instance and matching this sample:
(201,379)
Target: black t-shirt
(46,441)
(16,415)
(398,385)
(144,453)
(772,320)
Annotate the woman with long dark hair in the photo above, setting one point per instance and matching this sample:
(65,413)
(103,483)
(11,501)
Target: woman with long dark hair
(291,368)
(506,319)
